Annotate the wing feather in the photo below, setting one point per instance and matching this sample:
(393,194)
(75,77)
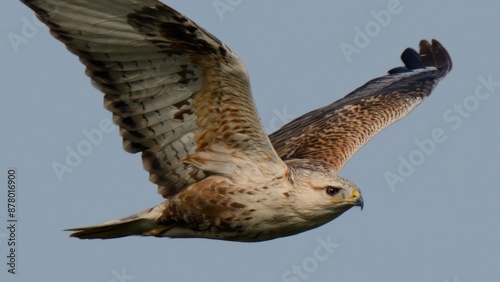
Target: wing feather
(179,95)
(332,134)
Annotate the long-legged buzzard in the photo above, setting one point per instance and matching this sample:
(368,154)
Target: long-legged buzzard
(182,98)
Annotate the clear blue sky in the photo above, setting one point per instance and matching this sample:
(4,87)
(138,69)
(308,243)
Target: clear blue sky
(439,222)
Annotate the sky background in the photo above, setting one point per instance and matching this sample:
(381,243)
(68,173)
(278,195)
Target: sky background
(439,223)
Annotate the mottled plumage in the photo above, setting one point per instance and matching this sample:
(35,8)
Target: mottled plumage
(335,132)
(182,99)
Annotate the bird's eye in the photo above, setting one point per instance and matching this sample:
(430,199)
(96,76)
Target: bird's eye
(332,191)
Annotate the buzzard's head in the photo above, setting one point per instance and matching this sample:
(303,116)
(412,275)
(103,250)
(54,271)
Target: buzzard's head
(320,191)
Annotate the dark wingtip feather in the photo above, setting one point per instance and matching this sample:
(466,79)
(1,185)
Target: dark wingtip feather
(426,53)
(435,55)
(411,59)
(431,54)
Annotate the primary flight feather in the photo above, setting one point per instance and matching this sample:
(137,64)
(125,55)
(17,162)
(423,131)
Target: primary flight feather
(182,99)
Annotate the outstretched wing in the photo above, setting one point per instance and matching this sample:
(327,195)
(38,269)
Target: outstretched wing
(334,133)
(179,95)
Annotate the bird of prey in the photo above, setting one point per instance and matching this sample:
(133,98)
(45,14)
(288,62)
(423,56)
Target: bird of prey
(182,98)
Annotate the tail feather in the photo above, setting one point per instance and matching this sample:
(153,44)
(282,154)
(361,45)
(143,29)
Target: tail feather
(114,230)
(144,223)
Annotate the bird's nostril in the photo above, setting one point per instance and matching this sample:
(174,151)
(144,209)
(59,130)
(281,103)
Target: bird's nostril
(355,194)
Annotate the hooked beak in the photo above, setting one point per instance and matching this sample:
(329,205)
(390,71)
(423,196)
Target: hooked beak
(360,202)
(355,199)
